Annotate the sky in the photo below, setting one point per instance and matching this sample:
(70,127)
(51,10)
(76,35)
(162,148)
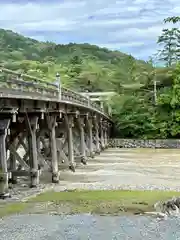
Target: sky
(131,26)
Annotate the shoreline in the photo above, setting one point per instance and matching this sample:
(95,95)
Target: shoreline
(101,202)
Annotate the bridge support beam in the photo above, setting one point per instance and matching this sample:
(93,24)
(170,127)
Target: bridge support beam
(90,135)
(62,146)
(105,135)
(105,139)
(31,124)
(51,120)
(69,120)
(97,136)
(4,125)
(12,159)
(102,135)
(81,125)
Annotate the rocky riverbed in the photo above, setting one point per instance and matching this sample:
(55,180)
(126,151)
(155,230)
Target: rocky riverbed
(135,169)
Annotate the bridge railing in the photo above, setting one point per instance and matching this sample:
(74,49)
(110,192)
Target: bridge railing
(14,82)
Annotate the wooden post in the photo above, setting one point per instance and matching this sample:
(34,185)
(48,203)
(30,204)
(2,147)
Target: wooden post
(69,125)
(97,138)
(82,140)
(102,136)
(12,160)
(31,123)
(90,145)
(4,125)
(105,138)
(54,157)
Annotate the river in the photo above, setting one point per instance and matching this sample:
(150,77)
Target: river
(88,227)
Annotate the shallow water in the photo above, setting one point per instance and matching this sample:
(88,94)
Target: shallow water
(88,227)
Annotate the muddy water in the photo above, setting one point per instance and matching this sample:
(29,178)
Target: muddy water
(156,168)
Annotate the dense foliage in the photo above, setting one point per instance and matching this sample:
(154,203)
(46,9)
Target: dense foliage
(153,111)
(138,110)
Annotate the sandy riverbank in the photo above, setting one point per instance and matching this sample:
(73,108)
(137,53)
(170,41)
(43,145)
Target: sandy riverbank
(114,169)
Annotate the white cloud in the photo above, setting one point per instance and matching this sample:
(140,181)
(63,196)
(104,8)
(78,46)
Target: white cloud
(150,33)
(127,25)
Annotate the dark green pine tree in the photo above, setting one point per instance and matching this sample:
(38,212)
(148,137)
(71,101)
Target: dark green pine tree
(169,41)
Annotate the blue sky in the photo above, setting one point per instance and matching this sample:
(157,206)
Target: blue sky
(131,26)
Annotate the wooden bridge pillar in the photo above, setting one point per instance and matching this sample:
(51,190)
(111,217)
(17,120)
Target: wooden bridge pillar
(4,125)
(51,120)
(105,135)
(82,139)
(31,123)
(102,135)
(105,139)
(12,158)
(97,136)
(43,146)
(90,135)
(69,120)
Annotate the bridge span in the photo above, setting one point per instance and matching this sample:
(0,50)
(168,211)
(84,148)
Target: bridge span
(45,128)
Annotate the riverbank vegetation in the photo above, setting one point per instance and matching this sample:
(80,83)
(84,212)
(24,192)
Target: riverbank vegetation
(113,202)
(139,109)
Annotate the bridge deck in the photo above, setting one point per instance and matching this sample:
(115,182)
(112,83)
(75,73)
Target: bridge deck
(21,86)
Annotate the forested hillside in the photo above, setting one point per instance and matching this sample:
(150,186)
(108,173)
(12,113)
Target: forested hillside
(137,111)
(78,64)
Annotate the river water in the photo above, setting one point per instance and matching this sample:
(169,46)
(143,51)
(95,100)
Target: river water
(114,168)
(88,227)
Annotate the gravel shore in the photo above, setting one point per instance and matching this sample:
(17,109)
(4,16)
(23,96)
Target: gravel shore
(128,169)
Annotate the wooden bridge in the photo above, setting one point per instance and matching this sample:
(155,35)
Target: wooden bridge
(45,127)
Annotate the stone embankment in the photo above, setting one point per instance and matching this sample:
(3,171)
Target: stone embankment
(141,143)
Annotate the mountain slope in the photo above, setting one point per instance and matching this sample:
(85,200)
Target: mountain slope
(80,65)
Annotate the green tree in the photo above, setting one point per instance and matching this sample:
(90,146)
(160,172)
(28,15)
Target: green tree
(169,42)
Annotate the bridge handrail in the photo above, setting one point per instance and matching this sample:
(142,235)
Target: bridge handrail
(20,82)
